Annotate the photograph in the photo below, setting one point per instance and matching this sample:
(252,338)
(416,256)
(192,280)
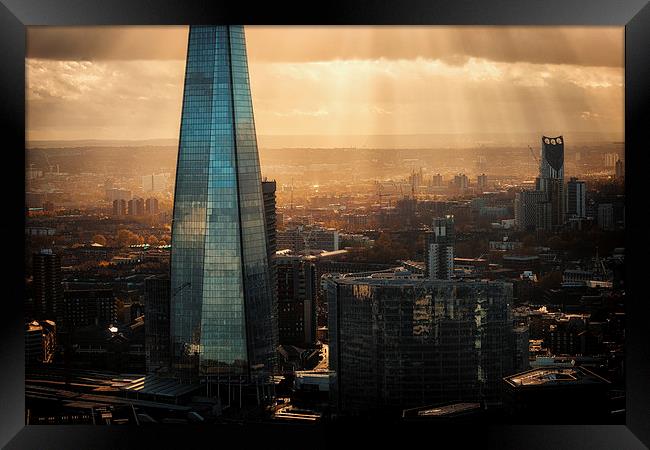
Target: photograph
(324,224)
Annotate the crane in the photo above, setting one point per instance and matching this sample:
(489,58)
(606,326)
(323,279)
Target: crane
(380,194)
(532,152)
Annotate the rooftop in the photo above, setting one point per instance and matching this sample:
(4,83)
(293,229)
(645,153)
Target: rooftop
(555,376)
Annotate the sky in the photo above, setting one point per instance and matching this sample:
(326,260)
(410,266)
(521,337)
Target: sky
(127,82)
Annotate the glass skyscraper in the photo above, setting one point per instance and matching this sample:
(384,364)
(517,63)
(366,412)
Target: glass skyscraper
(221,297)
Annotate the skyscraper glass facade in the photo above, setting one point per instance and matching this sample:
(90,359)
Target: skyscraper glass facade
(398,343)
(221,298)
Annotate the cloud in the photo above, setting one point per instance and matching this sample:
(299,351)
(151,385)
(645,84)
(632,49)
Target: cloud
(587,46)
(299,112)
(132,99)
(105,82)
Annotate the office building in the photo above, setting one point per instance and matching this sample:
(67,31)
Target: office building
(439,249)
(157,298)
(308,237)
(297,287)
(83,307)
(530,209)
(222,298)
(576,199)
(398,341)
(47,288)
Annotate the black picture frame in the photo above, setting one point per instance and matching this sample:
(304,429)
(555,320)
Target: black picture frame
(15,15)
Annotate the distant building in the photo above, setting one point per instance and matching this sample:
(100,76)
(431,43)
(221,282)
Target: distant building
(40,342)
(576,199)
(156,316)
(520,345)
(119,207)
(439,250)
(482,181)
(151,206)
(270,222)
(610,159)
(305,237)
(460,181)
(505,245)
(521,263)
(113,194)
(606,216)
(551,180)
(297,286)
(154,182)
(136,207)
(530,209)
(47,288)
(397,341)
(436,180)
(87,307)
(620,170)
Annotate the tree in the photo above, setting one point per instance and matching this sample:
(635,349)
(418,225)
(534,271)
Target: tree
(126,238)
(152,240)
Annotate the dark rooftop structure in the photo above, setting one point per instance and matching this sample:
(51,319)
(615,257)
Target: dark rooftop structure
(445,411)
(557,395)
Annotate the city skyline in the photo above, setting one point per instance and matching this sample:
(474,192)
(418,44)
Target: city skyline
(340,85)
(387,283)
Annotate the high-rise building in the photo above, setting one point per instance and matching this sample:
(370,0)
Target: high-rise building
(136,207)
(620,169)
(606,216)
(222,299)
(297,286)
(156,316)
(610,159)
(270,221)
(439,249)
(400,341)
(551,177)
(531,210)
(576,198)
(460,181)
(119,207)
(436,180)
(151,205)
(47,288)
(482,181)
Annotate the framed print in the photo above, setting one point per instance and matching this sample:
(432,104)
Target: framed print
(377,221)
